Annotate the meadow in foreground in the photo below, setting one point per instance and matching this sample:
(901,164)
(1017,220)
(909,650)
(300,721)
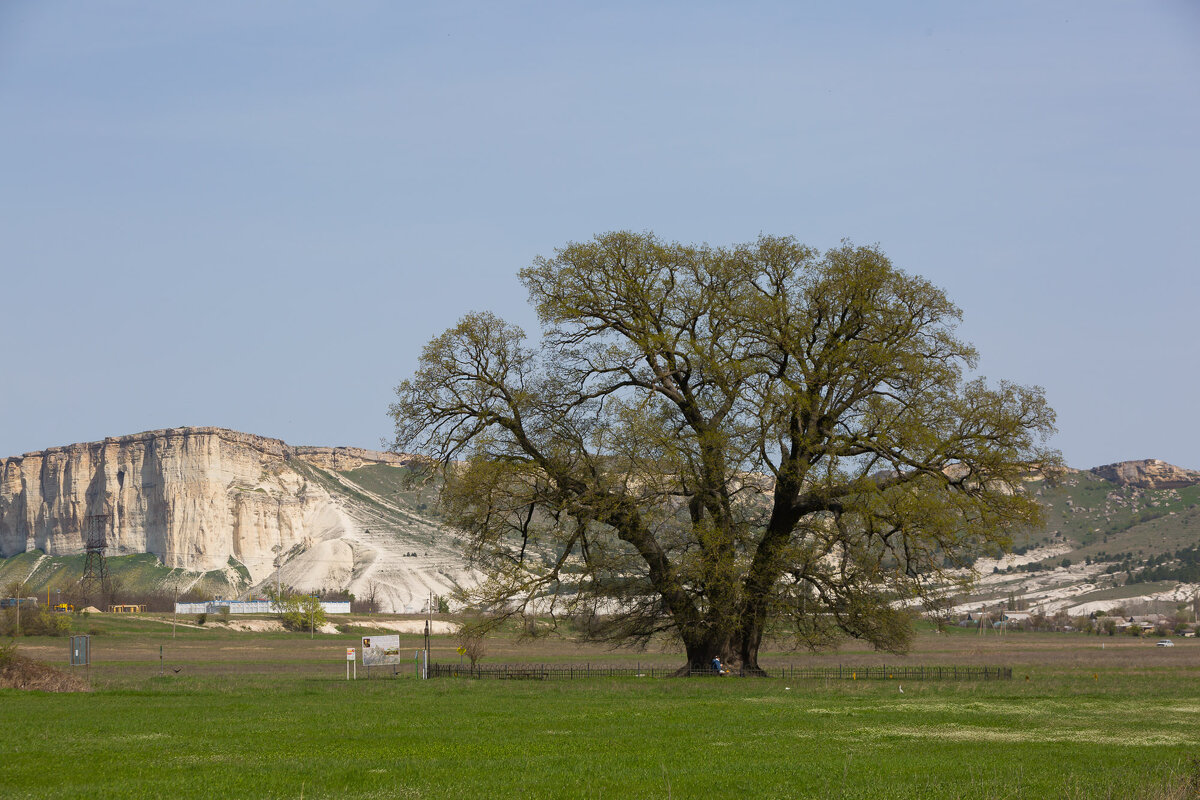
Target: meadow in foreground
(271,716)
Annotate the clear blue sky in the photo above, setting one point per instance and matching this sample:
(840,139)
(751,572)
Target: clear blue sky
(254,215)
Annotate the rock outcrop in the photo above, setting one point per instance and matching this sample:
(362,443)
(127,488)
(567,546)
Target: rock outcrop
(342,459)
(206,499)
(1149,473)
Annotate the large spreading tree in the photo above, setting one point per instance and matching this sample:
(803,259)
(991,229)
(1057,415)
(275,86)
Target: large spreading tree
(723,443)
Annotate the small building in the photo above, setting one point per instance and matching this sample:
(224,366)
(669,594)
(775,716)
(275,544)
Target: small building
(252,607)
(1017,617)
(127,608)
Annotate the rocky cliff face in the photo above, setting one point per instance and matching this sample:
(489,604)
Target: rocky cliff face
(191,496)
(347,458)
(1148,474)
(199,497)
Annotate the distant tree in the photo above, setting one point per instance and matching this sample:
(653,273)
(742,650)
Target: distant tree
(471,637)
(717,442)
(312,613)
(110,591)
(14,589)
(297,611)
(940,609)
(369,604)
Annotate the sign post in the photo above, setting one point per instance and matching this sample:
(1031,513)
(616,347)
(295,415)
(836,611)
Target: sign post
(351,660)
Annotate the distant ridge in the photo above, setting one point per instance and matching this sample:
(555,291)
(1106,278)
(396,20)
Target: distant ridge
(1150,473)
(325,457)
(247,510)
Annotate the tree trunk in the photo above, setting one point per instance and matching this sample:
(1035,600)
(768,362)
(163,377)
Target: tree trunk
(764,572)
(750,639)
(702,648)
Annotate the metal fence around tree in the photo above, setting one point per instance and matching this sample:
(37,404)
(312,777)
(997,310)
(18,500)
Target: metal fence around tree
(556,672)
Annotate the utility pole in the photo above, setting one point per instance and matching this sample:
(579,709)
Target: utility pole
(178,581)
(428,626)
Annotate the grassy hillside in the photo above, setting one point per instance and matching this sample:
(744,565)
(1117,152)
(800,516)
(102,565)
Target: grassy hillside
(1099,519)
(140,574)
(1094,518)
(1101,542)
(398,484)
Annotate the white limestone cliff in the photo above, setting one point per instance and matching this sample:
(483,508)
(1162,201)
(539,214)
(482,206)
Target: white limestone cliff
(203,498)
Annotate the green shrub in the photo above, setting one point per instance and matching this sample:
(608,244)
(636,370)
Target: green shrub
(51,624)
(298,612)
(8,653)
(35,622)
(201,619)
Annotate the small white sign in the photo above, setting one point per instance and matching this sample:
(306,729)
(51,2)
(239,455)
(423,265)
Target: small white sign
(350,653)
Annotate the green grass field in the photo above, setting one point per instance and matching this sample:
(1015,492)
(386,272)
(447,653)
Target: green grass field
(271,716)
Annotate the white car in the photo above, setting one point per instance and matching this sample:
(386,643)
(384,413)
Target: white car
(1164,643)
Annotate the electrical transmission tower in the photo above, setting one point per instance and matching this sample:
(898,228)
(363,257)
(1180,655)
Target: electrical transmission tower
(95,567)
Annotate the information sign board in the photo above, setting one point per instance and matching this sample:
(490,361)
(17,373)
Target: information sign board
(378,650)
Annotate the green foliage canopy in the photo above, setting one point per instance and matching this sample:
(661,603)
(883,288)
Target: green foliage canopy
(722,441)
(297,611)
